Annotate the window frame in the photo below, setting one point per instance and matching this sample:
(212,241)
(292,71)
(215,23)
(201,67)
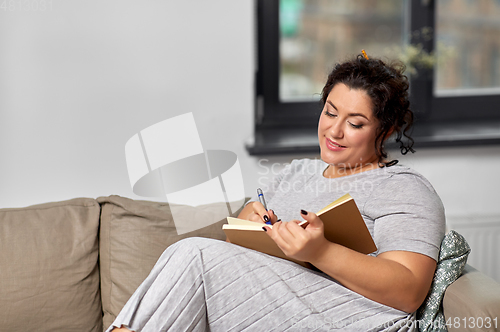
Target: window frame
(270,111)
(440,120)
(433,109)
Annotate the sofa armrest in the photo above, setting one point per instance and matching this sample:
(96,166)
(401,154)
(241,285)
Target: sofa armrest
(472,296)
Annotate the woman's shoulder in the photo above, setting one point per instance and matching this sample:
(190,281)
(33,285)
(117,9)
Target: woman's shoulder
(402,185)
(406,177)
(402,189)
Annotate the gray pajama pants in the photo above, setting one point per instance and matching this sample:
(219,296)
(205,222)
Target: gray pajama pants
(209,285)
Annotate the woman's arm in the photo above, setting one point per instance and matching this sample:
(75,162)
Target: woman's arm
(399,279)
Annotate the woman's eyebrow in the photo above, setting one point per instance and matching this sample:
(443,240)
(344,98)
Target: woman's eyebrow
(358,114)
(330,102)
(350,114)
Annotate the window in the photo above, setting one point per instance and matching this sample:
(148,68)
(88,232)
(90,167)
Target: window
(454,65)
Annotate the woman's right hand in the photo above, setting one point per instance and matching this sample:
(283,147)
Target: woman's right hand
(255,211)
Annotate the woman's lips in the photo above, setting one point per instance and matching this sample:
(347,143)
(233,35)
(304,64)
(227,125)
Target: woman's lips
(334,146)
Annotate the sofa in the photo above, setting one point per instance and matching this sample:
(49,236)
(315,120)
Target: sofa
(72,265)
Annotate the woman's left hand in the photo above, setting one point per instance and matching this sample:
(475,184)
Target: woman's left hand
(296,242)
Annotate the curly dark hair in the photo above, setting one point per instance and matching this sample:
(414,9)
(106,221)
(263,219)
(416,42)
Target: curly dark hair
(387,87)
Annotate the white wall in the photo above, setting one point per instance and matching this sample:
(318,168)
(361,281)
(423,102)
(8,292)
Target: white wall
(80,78)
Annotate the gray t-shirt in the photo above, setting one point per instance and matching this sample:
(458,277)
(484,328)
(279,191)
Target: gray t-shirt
(400,207)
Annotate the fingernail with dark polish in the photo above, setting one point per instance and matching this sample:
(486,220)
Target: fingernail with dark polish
(265,230)
(278,220)
(266,218)
(304,212)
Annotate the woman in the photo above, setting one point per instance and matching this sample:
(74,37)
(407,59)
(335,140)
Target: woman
(201,284)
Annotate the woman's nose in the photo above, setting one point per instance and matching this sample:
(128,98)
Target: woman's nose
(337,129)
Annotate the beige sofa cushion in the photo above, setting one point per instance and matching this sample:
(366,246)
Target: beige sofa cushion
(472,300)
(133,236)
(49,267)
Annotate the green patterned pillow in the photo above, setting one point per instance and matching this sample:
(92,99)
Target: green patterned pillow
(452,259)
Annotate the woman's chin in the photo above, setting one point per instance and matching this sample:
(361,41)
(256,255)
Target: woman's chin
(332,158)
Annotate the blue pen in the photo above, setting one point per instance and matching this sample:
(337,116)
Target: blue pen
(263,201)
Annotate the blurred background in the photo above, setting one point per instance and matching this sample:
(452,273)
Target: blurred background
(466,55)
(79,78)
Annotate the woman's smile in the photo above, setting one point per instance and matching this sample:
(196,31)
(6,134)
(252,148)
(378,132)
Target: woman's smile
(334,146)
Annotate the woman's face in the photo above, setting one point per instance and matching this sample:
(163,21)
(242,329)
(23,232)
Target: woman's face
(347,130)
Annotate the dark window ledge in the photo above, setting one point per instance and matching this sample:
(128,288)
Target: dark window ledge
(305,140)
